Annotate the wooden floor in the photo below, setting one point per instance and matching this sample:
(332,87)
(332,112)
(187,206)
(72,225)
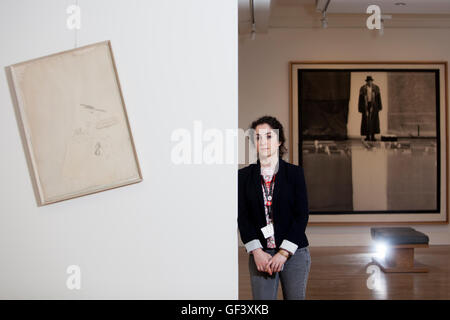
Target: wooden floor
(341,273)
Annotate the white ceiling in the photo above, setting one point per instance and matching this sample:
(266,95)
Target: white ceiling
(343,14)
(389,6)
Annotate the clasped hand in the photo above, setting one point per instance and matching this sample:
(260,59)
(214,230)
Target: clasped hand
(266,263)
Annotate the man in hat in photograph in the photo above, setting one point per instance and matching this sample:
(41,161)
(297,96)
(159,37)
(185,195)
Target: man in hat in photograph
(369,104)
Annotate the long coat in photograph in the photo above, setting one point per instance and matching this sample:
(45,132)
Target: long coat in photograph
(370,122)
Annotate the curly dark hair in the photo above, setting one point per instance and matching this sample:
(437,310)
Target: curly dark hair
(274,124)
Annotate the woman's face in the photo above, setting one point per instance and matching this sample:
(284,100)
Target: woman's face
(266,139)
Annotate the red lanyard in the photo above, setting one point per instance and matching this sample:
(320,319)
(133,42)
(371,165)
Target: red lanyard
(268,187)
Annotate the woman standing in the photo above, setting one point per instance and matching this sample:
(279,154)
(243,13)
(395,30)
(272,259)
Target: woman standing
(272,216)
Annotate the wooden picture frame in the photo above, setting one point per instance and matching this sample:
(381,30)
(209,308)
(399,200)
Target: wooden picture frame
(73,123)
(334,157)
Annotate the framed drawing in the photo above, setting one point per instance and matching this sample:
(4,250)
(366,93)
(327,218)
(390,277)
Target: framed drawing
(373,140)
(74,126)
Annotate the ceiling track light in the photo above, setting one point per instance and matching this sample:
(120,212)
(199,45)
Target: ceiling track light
(252,12)
(383,18)
(253,33)
(322,6)
(324,20)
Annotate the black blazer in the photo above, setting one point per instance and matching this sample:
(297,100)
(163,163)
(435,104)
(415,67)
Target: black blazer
(290,205)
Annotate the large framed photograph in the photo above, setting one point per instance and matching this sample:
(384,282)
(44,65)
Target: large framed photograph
(73,123)
(373,140)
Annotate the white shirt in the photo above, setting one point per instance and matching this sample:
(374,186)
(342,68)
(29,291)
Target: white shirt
(369,93)
(269,170)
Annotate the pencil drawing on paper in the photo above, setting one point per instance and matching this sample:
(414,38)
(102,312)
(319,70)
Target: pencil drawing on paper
(74,123)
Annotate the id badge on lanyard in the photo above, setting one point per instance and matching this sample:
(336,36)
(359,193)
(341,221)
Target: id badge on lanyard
(268,230)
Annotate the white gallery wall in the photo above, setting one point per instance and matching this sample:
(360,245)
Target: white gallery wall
(172,236)
(264,85)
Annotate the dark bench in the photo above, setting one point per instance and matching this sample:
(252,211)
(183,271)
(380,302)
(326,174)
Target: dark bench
(400,242)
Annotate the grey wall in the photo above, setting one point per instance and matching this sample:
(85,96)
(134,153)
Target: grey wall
(264,85)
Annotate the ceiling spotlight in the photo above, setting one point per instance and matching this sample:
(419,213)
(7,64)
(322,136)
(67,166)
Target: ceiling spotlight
(383,18)
(322,6)
(253,33)
(324,20)
(252,12)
